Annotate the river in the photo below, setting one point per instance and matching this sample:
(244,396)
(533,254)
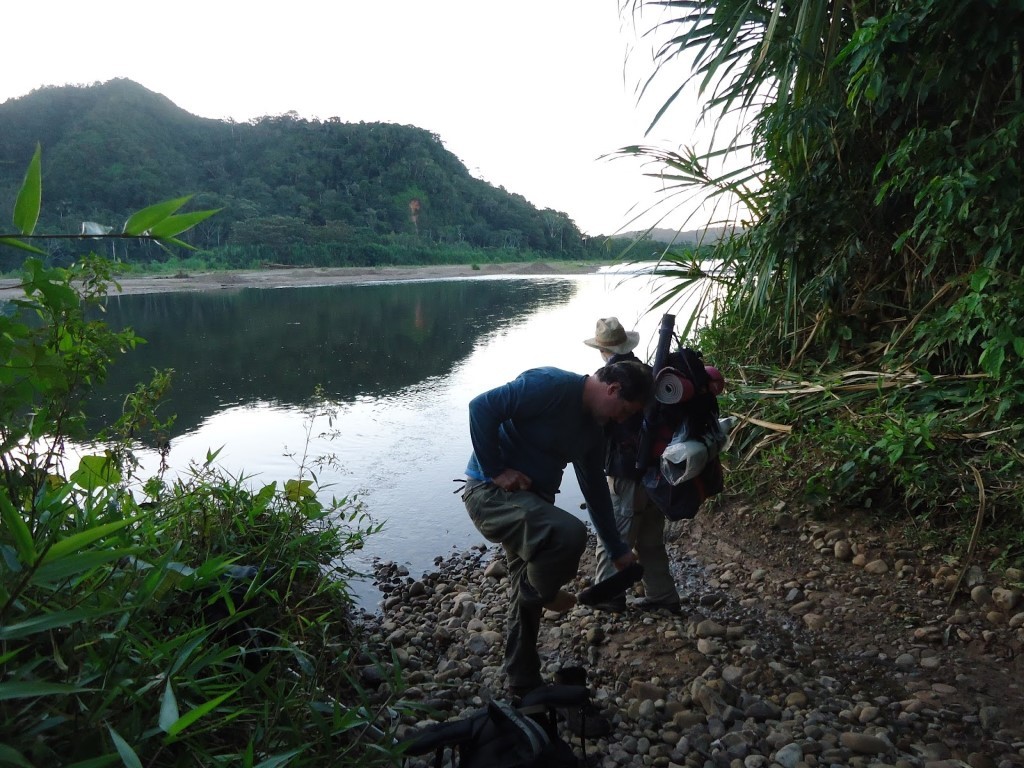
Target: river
(398,362)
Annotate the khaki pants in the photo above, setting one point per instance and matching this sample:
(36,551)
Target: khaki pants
(642,526)
(543,545)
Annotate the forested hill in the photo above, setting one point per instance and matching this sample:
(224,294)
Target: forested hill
(292,190)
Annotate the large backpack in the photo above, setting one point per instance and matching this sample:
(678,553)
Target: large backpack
(691,422)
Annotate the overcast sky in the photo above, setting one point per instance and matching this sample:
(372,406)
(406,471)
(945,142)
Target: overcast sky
(529,95)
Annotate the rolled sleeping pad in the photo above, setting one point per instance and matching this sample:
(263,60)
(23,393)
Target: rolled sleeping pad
(671,387)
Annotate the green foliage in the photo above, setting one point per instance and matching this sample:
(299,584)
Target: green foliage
(196,621)
(128,633)
(283,184)
(883,190)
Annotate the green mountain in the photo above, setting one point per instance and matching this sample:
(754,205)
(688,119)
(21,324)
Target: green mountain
(292,190)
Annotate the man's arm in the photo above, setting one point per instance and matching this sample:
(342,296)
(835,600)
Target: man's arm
(590,474)
(487,411)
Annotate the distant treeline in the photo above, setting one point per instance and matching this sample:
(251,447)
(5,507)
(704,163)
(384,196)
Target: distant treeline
(291,190)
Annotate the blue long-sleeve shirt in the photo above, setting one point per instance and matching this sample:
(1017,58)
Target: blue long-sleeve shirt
(537,424)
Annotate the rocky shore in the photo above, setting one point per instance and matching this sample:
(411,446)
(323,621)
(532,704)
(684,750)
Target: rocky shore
(800,644)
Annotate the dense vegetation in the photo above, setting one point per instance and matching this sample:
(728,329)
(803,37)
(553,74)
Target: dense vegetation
(149,621)
(289,190)
(875,312)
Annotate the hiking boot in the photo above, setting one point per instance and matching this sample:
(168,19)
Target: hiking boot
(670,604)
(561,602)
(615,605)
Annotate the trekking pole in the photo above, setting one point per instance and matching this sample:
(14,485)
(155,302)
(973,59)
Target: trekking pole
(665,336)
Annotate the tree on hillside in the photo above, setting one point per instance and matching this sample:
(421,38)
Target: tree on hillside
(112,146)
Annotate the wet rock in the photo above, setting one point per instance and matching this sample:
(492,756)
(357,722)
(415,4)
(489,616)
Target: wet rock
(876,567)
(1005,599)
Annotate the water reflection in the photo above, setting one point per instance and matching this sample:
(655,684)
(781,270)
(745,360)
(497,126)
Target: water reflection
(276,346)
(399,361)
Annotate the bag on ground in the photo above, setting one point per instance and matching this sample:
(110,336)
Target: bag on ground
(498,736)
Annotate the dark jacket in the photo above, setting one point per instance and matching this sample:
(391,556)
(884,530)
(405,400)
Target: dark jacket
(536,424)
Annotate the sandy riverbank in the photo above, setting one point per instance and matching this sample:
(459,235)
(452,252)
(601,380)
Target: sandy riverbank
(312,276)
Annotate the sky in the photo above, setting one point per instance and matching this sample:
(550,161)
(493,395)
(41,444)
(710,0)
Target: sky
(529,95)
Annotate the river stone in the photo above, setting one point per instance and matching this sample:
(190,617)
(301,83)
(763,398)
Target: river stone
(1005,599)
(877,567)
(762,710)
(981,595)
(709,646)
(863,743)
(905,661)
(496,569)
(709,628)
(868,714)
(790,755)
(640,689)
(797,700)
(975,576)
(814,621)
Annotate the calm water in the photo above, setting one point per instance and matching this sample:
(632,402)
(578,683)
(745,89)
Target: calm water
(400,361)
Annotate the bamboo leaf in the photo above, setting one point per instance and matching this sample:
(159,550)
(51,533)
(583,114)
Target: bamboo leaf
(278,760)
(124,749)
(13,243)
(77,541)
(168,709)
(94,762)
(15,523)
(11,756)
(149,217)
(175,225)
(26,208)
(45,623)
(71,565)
(193,715)
(22,689)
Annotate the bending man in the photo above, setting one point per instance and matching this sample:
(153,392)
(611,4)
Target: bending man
(524,434)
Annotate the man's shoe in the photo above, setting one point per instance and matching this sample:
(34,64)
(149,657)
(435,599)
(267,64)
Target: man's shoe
(670,604)
(615,605)
(614,585)
(562,601)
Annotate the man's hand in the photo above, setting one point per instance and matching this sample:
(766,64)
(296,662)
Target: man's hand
(512,480)
(625,560)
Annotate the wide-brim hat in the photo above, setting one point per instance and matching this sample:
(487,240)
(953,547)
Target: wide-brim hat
(610,336)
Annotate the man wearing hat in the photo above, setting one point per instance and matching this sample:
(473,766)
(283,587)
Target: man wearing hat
(639,522)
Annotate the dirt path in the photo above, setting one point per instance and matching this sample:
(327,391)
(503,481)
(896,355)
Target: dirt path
(817,598)
(800,644)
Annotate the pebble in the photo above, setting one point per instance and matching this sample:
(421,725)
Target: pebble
(739,680)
